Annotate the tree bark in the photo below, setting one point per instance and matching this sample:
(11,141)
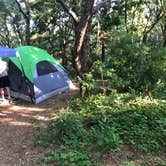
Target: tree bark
(81,25)
(103,51)
(164,33)
(82,22)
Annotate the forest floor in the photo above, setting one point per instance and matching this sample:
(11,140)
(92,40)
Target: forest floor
(18,123)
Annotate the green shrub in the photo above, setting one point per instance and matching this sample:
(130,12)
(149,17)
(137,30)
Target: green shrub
(65,156)
(105,138)
(68,129)
(98,124)
(144,130)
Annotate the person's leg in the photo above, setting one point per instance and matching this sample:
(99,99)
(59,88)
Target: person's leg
(1,87)
(2,93)
(8,93)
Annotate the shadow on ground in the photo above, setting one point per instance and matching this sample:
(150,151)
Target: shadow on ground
(17,129)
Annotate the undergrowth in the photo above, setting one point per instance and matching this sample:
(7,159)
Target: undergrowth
(99,124)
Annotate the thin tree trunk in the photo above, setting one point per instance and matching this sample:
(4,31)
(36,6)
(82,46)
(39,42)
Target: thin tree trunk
(103,52)
(126,15)
(164,34)
(159,16)
(27,18)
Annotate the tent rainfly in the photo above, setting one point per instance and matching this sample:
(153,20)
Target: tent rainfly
(7,52)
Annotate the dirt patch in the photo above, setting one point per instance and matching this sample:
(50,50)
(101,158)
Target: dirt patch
(127,156)
(17,128)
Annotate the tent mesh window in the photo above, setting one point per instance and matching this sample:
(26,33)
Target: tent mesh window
(45,67)
(18,81)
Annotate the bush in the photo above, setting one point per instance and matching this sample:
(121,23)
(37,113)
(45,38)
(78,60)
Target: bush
(99,124)
(67,129)
(139,67)
(65,156)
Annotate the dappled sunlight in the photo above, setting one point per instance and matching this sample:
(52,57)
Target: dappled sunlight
(26,115)
(39,117)
(17,108)
(17,123)
(14,120)
(17,132)
(1,114)
(22,115)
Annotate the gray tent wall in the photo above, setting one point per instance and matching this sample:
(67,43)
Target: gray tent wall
(43,87)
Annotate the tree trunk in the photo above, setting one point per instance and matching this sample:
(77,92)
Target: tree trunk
(27,30)
(27,18)
(81,25)
(81,29)
(164,34)
(103,51)
(159,16)
(86,52)
(126,15)
(64,57)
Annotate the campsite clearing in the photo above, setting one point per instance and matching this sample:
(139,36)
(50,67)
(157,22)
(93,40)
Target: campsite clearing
(17,129)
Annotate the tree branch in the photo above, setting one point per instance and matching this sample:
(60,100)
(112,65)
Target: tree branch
(19,6)
(69,11)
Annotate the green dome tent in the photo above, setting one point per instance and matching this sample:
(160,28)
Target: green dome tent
(35,75)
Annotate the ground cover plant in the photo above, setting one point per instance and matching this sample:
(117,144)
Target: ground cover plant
(100,124)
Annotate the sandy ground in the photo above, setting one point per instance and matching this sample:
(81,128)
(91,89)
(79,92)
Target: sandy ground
(17,129)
